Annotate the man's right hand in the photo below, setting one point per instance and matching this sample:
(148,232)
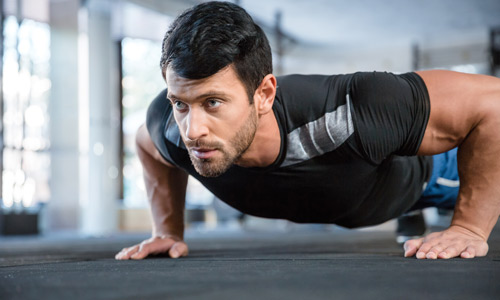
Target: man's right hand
(155,245)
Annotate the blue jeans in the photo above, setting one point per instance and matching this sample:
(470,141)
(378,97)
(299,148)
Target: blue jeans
(442,188)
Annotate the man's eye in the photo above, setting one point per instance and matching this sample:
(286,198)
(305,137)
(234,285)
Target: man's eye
(179,105)
(213,103)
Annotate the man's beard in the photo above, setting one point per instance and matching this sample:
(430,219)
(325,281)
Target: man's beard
(214,167)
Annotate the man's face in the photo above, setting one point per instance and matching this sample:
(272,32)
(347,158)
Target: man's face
(215,118)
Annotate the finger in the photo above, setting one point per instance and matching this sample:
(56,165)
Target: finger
(411,246)
(120,254)
(153,247)
(470,252)
(434,251)
(126,252)
(449,252)
(481,249)
(178,249)
(143,251)
(422,251)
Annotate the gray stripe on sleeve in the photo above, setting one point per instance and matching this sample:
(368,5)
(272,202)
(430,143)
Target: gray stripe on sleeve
(320,136)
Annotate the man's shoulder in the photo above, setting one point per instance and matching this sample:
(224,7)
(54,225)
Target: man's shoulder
(306,98)
(305,81)
(159,106)
(312,87)
(159,111)
(162,126)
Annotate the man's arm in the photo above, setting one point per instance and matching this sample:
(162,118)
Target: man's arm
(465,112)
(166,191)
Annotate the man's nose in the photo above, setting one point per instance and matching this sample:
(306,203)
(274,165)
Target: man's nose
(196,125)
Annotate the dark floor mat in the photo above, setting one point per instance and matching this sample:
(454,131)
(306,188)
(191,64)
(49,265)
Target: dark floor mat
(249,265)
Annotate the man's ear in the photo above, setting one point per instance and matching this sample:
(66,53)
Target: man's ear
(265,93)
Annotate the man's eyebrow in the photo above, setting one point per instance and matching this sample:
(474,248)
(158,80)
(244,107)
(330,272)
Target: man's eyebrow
(171,96)
(202,96)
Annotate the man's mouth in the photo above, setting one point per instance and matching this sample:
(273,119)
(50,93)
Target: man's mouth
(203,153)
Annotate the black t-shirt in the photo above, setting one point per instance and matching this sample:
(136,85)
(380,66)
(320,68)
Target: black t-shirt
(342,158)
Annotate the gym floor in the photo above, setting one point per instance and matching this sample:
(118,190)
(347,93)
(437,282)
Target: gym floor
(298,264)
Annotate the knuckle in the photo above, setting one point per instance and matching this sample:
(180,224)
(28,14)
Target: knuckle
(181,247)
(144,247)
(437,246)
(451,250)
(410,243)
(425,247)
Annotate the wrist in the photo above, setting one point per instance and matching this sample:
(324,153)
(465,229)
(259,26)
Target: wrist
(469,230)
(168,232)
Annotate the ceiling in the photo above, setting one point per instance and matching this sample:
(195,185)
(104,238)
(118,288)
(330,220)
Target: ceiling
(340,21)
(355,21)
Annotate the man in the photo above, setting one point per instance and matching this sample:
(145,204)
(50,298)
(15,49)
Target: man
(345,149)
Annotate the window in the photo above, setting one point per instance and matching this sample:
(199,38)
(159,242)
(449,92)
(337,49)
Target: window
(141,83)
(26,87)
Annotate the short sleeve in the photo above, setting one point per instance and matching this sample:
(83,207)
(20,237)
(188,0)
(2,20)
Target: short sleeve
(390,113)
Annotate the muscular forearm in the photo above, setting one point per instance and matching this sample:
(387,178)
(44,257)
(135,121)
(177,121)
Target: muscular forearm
(478,204)
(479,217)
(166,194)
(165,187)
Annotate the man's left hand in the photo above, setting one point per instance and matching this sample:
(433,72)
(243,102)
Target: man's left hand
(455,241)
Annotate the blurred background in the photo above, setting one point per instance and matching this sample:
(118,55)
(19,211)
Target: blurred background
(77,77)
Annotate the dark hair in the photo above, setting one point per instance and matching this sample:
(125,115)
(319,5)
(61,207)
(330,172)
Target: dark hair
(210,36)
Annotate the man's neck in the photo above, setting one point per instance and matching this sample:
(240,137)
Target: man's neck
(265,147)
